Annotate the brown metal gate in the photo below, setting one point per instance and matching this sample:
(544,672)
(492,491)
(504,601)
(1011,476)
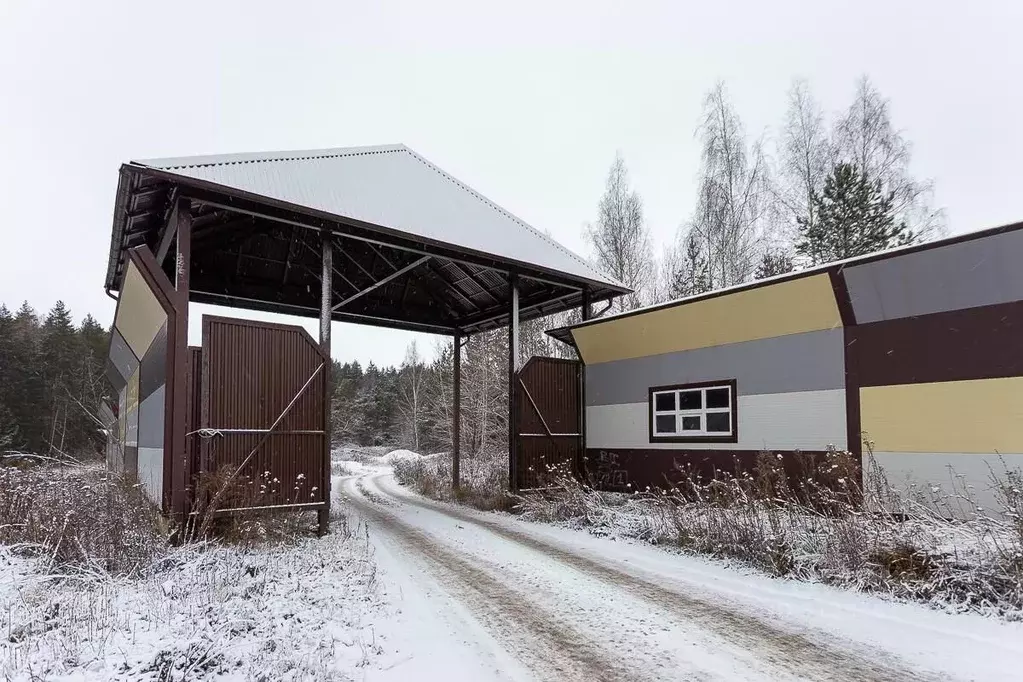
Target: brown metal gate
(251,373)
(547,435)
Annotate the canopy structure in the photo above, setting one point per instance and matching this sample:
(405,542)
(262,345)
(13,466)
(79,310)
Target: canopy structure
(371,235)
(414,248)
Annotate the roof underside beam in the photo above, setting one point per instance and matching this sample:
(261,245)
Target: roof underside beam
(353,230)
(379,283)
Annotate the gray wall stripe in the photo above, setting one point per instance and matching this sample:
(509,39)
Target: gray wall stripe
(812,361)
(121,356)
(154,365)
(964,275)
(151,414)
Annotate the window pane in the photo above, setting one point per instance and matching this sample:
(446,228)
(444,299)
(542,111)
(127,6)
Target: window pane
(719,422)
(664,423)
(691,423)
(664,402)
(690,400)
(717,397)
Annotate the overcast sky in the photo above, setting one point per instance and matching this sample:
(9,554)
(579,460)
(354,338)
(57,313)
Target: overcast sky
(527,103)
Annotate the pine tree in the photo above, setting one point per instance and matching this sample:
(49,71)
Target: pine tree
(59,352)
(691,274)
(9,431)
(26,380)
(773,263)
(854,217)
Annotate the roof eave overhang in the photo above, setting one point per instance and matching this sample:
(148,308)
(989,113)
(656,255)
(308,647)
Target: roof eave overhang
(203,190)
(303,216)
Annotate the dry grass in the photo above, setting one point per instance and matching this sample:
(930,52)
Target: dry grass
(201,611)
(90,588)
(825,527)
(81,518)
(223,489)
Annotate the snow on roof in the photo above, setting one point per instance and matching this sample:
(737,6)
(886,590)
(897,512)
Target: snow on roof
(392,187)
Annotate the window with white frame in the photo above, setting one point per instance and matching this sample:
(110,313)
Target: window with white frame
(698,411)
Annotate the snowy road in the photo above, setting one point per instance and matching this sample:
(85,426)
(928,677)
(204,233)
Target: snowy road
(489,597)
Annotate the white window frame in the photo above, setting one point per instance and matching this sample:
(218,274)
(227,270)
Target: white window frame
(701,413)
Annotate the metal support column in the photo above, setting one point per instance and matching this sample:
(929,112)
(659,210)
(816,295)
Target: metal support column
(513,368)
(585,312)
(326,299)
(456,413)
(180,464)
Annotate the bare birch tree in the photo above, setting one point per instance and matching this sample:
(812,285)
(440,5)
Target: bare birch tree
(804,158)
(412,394)
(620,239)
(865,137)
(735,198)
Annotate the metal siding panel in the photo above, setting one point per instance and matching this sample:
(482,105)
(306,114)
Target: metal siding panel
(131,456)
(152,413)
(139,313)
(131,408)
(812,361)
(255,370)
(392,187)
(916,474)
(788,307)
(121,355)
(807,420)
(973,343)
(150,473)
(193,404)
(549,387)
(154,365)
(981,416)
(962,275)
(639,469)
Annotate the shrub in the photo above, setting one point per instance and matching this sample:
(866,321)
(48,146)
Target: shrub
(81,517)
(816,522)
(484,480)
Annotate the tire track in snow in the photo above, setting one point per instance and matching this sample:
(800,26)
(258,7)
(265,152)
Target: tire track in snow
(554,651)
(786,650)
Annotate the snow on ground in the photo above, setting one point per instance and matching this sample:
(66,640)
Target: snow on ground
(419,590)
(569,605)
(395,455)
(307,611)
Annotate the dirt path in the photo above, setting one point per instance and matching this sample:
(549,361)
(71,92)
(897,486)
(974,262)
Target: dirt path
(565,614)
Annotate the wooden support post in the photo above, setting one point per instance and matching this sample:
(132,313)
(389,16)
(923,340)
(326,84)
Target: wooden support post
(180,463)
(513,368)
(456,412)
(326,299)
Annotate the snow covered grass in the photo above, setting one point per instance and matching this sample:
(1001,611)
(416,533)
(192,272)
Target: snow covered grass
(91,590)
(78,516)
(484,479)
(836,534)
(298,612)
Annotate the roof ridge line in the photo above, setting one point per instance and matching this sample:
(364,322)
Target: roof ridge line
(505,212)
(354,151)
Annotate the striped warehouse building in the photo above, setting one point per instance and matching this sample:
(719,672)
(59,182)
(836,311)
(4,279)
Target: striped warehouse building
(918,351)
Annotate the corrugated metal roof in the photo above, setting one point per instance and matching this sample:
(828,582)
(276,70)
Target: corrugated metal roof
(392,187)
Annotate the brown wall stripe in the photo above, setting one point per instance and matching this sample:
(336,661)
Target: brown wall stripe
(974,343)
(854,428)
(632,470)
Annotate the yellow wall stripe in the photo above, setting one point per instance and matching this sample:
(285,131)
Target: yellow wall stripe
(976,416)
(791,307)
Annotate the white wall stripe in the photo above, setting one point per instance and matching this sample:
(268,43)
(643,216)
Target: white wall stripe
(806,420)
